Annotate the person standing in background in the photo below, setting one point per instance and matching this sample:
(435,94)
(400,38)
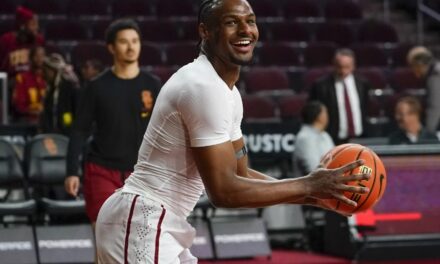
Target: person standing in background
(15,45)
(30,88)
(89,70)
(345,96)
(61,99)
(115,109)
(424,66)
(312,141)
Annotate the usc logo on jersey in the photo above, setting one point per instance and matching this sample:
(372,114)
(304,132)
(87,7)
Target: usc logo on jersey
(147,101)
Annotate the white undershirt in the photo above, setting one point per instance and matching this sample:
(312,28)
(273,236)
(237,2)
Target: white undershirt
(355,107)
(195,108)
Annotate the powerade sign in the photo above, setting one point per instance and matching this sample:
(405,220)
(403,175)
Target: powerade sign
(273,139)
(240,237)
(66,244)
(17,245)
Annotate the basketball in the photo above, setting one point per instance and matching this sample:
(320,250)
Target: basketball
(347,153)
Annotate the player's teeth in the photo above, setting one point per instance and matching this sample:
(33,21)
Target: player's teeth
(245,42)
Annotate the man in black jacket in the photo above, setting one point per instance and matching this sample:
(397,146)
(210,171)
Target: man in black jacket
(116,106)
(345,96)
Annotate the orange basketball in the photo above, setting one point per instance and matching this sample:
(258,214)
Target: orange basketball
(347,153)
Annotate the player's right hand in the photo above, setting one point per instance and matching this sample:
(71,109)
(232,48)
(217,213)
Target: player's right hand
(331,183)
(71,184)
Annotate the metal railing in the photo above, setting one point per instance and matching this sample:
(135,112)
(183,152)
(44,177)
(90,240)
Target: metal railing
(424,10)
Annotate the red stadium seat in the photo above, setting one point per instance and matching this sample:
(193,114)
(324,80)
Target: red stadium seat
(301,9)
(98,29)
(265,8)
(258,108)
(403,80)
(400,53)
(377,32)
(65,30)
(375,76)
(264,30)
(45,7)
(7,7)
(279,54)
(90,50)
(291,106)
(159,30)
(342,9)
(181,53)
(51,47)
(314,74)
(289,31)
(7,25)
(319,54)
(172,8)
(190,30)
(163,72)
(340,33)
(131,8)
(271,80)
(151,54)
(369,55)
(77,8)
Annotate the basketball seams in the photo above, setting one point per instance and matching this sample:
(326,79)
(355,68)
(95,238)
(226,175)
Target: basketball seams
(351,172)
(372,185)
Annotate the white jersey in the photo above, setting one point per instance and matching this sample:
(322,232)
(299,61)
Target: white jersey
(195,108)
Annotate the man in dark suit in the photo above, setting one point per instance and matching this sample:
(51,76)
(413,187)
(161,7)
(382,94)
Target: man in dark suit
(345,96)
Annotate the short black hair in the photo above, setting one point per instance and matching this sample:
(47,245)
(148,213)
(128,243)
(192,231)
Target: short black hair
(311,111)
(118,25)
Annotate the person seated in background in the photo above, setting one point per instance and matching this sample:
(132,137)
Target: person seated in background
(312,141)
(424,66)
(345,95)
(411,131)
(15,45)
(61,96)
(29,90)
(90,69)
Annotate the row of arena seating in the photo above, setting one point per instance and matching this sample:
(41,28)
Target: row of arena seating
(328,9)
(269,79)
(259,108)
(38,174)
(285,54)
(165,30)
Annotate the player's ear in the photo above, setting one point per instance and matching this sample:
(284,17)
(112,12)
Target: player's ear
(203,31)
(111,49)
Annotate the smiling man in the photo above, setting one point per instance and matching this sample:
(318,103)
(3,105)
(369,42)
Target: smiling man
(194,142)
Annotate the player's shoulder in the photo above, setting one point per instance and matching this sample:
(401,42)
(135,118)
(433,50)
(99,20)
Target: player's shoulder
(199,74)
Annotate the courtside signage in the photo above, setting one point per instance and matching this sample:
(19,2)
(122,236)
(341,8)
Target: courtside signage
(17,246)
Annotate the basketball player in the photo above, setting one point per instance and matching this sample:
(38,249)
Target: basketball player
(194,142)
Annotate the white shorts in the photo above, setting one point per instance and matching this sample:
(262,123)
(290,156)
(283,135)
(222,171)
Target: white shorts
(134,229)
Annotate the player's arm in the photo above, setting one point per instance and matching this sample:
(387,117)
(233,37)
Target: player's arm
(242,163)
(217,165)
(244,171)
(82,124)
